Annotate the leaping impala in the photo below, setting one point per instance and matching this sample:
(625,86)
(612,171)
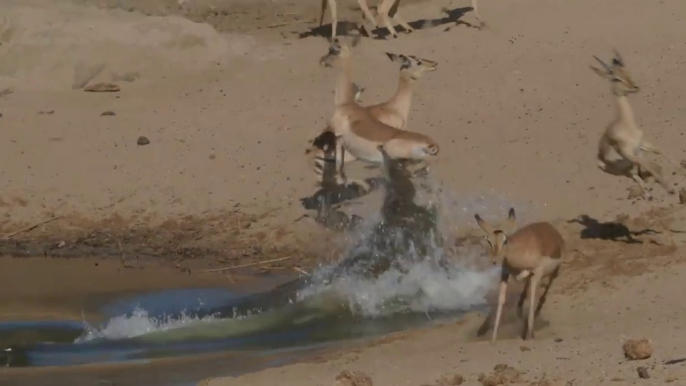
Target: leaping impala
(393,112)
(621,147)
(358,131)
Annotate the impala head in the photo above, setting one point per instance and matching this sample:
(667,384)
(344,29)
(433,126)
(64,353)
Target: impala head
(413,66)
(425,149)
(497,237)
(617,74)
(326,142)
(338,49)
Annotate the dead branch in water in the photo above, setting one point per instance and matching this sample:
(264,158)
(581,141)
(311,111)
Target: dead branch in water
(244,265)
(29,228)
(301,271)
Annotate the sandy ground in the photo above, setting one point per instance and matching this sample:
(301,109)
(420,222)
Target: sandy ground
(228,105)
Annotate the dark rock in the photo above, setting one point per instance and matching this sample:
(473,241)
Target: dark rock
(643,372)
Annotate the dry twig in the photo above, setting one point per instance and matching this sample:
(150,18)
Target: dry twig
(244,265)
(29,228)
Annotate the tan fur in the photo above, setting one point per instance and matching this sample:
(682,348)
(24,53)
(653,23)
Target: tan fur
(533,252)
(359,131)
(393,112)
(621,147)
(383,10)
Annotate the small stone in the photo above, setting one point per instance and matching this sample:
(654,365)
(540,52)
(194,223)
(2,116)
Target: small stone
(353,378)
(492,380)
(524,349)
(502,374)
(544,382)
(143,141)
(682,192)
(108,114)
(643,372)
(638,349)
(683,164)
(0,115)
(509,374)
(450,380)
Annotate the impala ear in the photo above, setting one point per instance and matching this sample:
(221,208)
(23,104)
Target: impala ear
(392,57)
(601,73)
(483,224)
(617,60)
(511,219)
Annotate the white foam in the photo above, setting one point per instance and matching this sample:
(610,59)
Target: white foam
(418,287)
(136,324)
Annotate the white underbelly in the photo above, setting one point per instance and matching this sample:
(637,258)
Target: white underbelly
(362,149)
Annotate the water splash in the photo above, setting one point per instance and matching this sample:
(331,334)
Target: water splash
(412,266)
(405,262)
(138,323)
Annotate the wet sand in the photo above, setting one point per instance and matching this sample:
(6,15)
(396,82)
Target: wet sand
(71,289)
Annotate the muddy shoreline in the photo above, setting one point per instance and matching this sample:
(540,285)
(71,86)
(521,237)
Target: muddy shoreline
(190,243)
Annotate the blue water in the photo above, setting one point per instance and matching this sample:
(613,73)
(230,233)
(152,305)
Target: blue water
(52,343)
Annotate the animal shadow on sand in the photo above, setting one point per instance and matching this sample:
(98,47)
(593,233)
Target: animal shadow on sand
(328,199)
(344,28)
(612,231)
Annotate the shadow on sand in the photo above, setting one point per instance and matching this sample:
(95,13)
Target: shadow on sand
(344,28)
(612,231)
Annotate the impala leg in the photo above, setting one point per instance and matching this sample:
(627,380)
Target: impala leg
(334,18)
(402,23)
(341,178)
(547,267)
(504,276)
(395,15)
(368,15)
(340,146)
(544,295)
(641,184)
(649,147)
(639,160)
(658,175)
(522,297)
(339,156)
(533,283)
(383,9)
(475,7)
